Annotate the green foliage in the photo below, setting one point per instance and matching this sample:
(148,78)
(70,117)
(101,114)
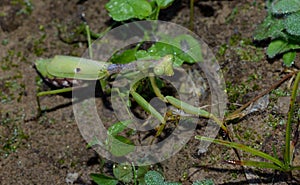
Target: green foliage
(122,173)
(184,48)
(103,180)
(291,25)
(280,46)
(282,26)
(14,135)
(275,163)
(243,48)
(164,3)
(155,178)
(121,10)
(119,145)
(127,174)
(118,127)
(26,5)
(285,6)
(116,144)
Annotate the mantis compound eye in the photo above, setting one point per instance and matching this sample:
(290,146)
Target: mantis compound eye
(165,66)
(159,70)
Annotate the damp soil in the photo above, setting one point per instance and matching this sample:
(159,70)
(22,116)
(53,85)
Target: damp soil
(45,149)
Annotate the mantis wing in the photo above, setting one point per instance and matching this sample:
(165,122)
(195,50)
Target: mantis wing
(78,68)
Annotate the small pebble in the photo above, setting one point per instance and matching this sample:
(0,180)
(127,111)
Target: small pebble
(71,178)
(283,104)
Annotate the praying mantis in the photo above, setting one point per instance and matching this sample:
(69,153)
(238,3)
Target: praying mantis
(64,72)
(67,72)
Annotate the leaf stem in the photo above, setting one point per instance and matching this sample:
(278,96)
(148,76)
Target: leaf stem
(288,152)
(157,13)
(87,29)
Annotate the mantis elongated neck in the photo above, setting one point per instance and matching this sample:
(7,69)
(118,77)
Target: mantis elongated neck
(117,68)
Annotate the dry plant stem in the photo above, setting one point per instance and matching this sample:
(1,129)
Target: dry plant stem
(236,114)
(192,15)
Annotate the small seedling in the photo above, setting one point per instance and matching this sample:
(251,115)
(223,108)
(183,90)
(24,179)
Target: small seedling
(125,173)
(283,28)
(121,10)
(142,176)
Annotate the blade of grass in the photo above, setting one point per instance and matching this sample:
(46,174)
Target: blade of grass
(287,152)
(295,168)
(244,148)
(258,164)
(87,29)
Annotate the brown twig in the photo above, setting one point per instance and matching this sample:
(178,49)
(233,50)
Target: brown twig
(237,114)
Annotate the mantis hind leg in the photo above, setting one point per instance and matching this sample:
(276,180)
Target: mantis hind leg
(56,91)
(44,93)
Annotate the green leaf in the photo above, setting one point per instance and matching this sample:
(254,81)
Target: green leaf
(270,28)
(289,58)
(124,57)
(144,55)
(103,180)
(171,183)
(123,173)
(140,173)
(94,142)
(121,10)
(163,48)
(257,164)
(119,145)
(189,47)
(184,48)
(204,182)
(280,46)
(285,6)
(164,3)
(155,178)
(244,148)
(118,127)
(292,23)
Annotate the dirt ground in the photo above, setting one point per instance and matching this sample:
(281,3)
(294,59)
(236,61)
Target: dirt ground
(47,149)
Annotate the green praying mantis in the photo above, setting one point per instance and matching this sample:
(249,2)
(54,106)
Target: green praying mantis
(67,71)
